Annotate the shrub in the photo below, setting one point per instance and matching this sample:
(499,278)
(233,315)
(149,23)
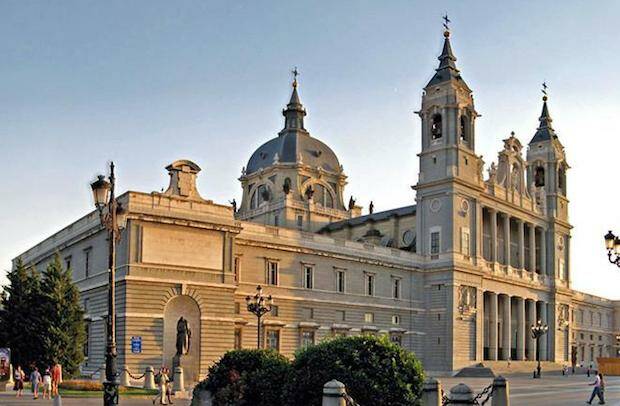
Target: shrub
(82,385)
(248,377)
(374,370)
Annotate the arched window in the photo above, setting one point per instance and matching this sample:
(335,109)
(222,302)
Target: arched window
(322,196)
(562,180)
(436,127)
(260,196)
(464,130)
(539,176)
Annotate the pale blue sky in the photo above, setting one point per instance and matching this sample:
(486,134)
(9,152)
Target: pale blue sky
(149,82)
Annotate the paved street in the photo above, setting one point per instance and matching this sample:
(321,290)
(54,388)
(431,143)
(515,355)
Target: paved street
(8,399)
(551,390)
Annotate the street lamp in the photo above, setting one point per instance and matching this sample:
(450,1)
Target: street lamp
(538,331)
(259,306)
(612,244)
(109,214)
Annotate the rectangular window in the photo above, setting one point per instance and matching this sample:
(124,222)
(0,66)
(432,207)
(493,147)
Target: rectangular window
(237,308)
(300,222)
(465,245)
(276,220)
(340,281)
(237,339)
(272,273)
(369,318)
(237,269)
(370,285)
(68,262)
(341,315)
(87,259)
(275,311)
(435,241)
(307,338)
(396,288)
(396,319)
(308,276)
(273,340)
(86,348)
(397,339)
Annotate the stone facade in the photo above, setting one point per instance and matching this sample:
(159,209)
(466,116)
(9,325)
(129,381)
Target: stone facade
(458,277)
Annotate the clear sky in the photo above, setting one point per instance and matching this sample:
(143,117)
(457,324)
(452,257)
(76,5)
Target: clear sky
(147,82)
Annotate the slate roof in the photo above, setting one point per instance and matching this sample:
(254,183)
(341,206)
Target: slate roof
(382,215)
(545,131)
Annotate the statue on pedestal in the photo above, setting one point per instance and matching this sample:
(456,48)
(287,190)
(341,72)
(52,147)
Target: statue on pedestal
(184,335)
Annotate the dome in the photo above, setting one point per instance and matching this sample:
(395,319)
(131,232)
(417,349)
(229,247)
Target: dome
(292,147)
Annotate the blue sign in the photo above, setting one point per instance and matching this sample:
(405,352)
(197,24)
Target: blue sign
(136,345)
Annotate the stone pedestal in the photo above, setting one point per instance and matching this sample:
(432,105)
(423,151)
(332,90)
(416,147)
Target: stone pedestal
(178,385)
(125,378)
(333,392)
(102,373)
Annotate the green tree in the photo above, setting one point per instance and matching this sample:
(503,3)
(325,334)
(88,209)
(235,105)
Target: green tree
(20,316)
(63,318)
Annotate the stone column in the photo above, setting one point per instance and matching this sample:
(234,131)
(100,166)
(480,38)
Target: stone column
(493,215)
(521,232)
(531,320)
(532,231)
(507,238)
(501,392)
(542,308)
(521,328)
(543,252)
(506,327)
(492,326)
(431,392)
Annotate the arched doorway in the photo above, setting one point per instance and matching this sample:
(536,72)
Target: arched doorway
(186,307)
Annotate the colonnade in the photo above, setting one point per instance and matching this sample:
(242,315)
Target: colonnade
(507,322)
(528,237)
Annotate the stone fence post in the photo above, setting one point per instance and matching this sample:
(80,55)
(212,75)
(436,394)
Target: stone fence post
(125,378)
(461,394)
(431,392)
(501,392)
(149,378)
(102,373)
(333,393)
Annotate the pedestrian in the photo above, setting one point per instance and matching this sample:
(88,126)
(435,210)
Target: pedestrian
(19,381)
(47,384)
(162,381)
(169,387)
(56,378)
(599,388)
(35,381)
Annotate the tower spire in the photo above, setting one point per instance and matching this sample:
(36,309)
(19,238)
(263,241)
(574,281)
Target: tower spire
(545,130)
(295,112)
(446,70)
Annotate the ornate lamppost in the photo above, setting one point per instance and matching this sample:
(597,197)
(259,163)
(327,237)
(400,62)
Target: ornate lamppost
(612,243)
(538,331)
(109,214)
(259,305)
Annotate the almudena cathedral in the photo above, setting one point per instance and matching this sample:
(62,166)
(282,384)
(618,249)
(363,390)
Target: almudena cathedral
(458,277)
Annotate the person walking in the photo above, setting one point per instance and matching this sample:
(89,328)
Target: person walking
(598,390)
(19,381)
(169,387)
(162,380)
(35,381)
(56,378)
(47,384)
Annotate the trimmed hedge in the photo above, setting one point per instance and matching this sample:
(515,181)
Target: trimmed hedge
(248,377)
(374,370)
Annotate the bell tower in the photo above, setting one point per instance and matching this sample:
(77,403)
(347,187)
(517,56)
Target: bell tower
(546,176)
(448,124)
(450,171)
